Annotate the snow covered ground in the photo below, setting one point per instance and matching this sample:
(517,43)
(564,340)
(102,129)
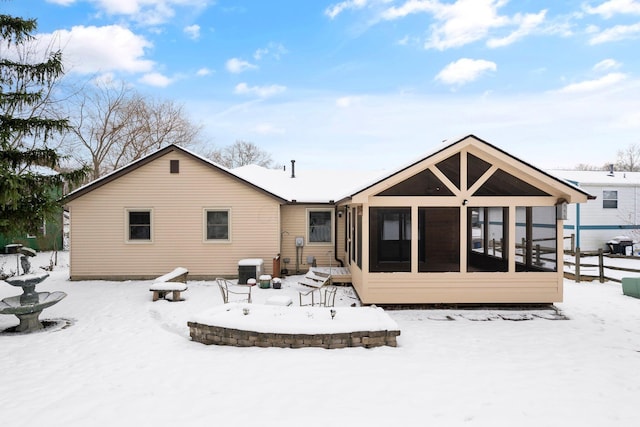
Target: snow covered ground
(127,361)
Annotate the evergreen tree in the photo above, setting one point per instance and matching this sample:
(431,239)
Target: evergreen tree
(28,195)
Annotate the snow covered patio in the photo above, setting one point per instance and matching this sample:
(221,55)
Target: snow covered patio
(125,360)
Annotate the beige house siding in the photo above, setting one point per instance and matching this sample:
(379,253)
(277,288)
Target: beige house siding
(461,287)
(99,246)
(340,221)
(263,225)
(294,223)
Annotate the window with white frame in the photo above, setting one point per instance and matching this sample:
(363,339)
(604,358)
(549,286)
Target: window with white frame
(610,199)
(217,225)
(139,225)
(319,225)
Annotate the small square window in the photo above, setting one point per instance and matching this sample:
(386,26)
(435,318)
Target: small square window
(217,225)
(610,199)
(139,225)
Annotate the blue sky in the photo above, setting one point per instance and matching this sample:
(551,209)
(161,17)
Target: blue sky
(370,83)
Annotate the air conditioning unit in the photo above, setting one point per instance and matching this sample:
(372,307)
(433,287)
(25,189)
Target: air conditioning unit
(250,268)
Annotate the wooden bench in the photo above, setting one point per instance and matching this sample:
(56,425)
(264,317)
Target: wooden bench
(173,282)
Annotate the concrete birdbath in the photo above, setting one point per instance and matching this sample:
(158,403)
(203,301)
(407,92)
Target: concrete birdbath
(28,306)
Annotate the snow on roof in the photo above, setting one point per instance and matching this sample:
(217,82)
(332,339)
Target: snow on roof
(308,186)
(602,177)
(321,186)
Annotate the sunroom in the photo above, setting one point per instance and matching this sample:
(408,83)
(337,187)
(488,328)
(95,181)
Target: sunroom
(467,224)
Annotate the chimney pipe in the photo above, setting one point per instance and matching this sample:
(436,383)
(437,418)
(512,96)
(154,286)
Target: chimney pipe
(293,168)
(610,169)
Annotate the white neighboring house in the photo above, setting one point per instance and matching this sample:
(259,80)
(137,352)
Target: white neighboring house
(612,214)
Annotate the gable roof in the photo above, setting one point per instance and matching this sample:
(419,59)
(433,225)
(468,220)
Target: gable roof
(310,186)
(154,156)
(464,141)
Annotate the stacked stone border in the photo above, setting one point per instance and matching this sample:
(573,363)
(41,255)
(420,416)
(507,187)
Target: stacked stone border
(208,334)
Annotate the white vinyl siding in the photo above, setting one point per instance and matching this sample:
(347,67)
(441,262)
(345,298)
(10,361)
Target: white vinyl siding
(609,199)
(600,224)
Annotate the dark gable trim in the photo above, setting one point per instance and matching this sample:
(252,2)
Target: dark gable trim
(152,157)
(564,183)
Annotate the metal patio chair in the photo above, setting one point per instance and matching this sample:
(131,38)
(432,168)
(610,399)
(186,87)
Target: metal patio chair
(324,296)
(228,289)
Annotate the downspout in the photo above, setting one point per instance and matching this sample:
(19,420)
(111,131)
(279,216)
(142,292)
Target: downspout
(335,237)
(577,184)
(577,225)
(634,225)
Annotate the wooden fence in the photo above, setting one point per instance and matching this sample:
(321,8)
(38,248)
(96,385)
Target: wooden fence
(538,252)
(601,277)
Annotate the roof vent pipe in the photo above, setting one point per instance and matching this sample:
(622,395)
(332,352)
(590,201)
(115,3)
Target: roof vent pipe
(610,169)
(293,168)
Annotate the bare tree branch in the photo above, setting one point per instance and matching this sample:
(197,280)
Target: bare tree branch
(242,153)
(629,159)
(113,125)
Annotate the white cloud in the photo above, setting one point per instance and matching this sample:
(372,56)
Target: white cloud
(346,101)
(236,65)
(145,12)
(619,32)
(528,23)
(457,24)
(410,7)
(89,50)
(203,72)
(592,29)
(465,21)
(259,91)
(464,71)
(594,85)
(192,31)
(614,7)
(336,9)
(156,79)
(62,2)
(607,64)
(403,41)
(274,50)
